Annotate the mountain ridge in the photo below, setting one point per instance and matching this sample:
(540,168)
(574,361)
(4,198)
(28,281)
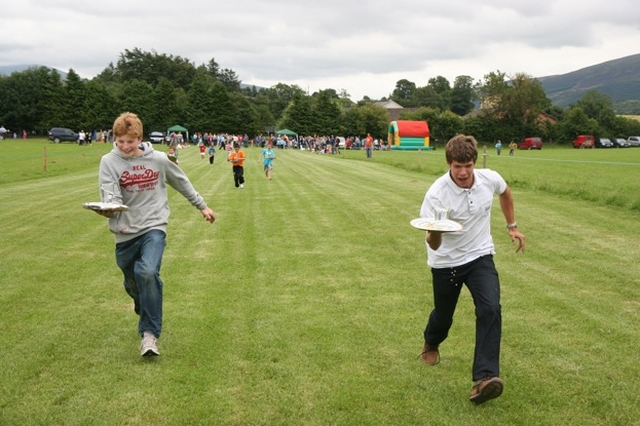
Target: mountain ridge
(618,78)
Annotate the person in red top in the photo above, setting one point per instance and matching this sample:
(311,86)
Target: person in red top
(237,159)
(203,150)
(368,145)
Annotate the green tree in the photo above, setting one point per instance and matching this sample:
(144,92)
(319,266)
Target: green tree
(404,92)
(353,123)
(50,102)
(229,79)
(625,127)
(513,106)
(462,95)
(298,116)
(222,112)
(277,98)
(100,107)
(522,104)
(149,67)
(246,115)
(199,112)
(137,97)
(427,97)
(442,88)
(265,119)
(167,110)
(448,125)
(599,106)
(374,120)
(576,122)
(73,107)
(480,126)
(30,100)
(328,116)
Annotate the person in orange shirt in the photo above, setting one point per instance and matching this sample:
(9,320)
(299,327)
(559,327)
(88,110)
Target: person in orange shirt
(368,145)
(237,160)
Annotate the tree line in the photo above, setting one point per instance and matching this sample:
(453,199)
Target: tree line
(165,90)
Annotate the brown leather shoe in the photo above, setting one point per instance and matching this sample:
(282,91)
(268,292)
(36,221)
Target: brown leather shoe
(430,354)
(486,389)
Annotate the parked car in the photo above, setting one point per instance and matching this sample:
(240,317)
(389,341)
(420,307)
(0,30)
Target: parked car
(620,143)
(584,141)
(156,137)
(603,143)
(62,134)
(530,143)
(633,140)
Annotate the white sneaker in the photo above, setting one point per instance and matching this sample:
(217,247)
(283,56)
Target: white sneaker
(241,185)
(148,345)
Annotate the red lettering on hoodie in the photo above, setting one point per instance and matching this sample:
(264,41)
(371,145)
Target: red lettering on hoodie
(129,179)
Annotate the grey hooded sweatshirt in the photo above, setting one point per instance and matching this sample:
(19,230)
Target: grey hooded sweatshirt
(141,184)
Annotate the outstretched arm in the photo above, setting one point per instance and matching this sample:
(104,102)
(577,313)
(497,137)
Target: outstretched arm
(506,204)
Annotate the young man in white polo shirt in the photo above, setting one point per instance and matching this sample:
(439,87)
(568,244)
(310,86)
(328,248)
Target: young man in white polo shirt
(466,257)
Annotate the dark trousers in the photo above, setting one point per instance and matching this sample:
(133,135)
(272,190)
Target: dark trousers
(238,175)
(481,278)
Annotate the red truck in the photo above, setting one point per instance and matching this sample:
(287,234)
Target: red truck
(584,141)
(530,143)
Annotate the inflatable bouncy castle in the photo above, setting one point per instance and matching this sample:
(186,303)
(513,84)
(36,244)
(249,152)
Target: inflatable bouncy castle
(408,135)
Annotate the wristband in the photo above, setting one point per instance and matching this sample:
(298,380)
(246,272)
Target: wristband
(512,225)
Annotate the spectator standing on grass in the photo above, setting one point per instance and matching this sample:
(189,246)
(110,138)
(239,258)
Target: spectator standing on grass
(368,145)
(512,148)
(466,257)
(136,175)
(499,146)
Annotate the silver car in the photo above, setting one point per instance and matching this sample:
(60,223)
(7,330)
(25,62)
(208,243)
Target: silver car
(634,140)
(156,137)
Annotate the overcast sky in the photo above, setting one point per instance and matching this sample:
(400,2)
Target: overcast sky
(363,47)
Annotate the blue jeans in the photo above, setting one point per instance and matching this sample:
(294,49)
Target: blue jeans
(140,260)
(481,278)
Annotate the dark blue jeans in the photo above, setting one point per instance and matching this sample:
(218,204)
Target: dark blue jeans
(481,278)
(140,260)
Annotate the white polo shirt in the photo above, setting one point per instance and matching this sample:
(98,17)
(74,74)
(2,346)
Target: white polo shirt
(469,207)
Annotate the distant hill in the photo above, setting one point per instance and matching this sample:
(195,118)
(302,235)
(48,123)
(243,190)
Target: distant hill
(618,78)
(10,69)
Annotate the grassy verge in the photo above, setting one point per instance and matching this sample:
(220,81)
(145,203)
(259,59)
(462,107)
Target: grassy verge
(305,302)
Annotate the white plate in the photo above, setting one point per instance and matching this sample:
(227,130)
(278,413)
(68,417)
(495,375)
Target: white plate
(430,224)
(105,207)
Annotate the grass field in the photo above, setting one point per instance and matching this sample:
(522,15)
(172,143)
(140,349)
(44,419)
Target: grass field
(304,304)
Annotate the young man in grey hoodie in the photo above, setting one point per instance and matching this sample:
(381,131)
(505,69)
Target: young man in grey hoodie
(136,175)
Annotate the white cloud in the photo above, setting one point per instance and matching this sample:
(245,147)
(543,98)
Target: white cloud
(364,47)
